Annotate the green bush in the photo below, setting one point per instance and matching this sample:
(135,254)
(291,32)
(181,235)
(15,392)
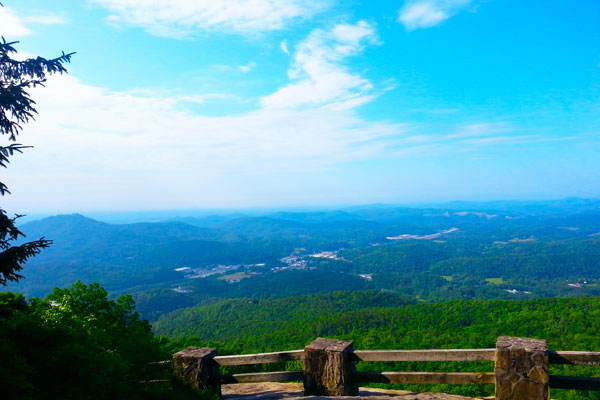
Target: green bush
(78,344)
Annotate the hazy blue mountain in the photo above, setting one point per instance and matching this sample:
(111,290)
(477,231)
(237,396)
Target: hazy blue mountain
(474,250)
(316,216)
(117,255)
(75,236)
(206,222)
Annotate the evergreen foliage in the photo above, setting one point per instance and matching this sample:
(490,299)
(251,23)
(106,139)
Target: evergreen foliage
(18,108)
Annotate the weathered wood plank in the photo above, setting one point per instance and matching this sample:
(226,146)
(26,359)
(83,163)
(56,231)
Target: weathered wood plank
(574,382)
(433,378)
(283,376)
(160,362)
(260,358)
(426,355)
(574,357)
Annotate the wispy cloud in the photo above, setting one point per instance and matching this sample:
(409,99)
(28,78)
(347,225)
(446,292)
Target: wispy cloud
(471,137)
(247,68)
(505,140)
(284,46)
(435,111)
(144,144)
(11,24)
(238,68)
(45,18)
(180,18)
(16,26)
(137,144)
(481,129)
(418,14)
(319,76)
(518,139)
(148,140)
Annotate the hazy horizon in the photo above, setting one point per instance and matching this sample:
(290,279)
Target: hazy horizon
(157,215)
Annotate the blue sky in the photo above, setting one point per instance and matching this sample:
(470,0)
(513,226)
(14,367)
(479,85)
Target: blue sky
(272,103)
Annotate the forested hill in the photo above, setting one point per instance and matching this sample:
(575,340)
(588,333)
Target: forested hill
(243,326)
(274,282)
(235,318)
(461,251)
(387,322)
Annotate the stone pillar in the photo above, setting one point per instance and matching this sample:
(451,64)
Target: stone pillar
(196,368)
(328,368)
(521,369)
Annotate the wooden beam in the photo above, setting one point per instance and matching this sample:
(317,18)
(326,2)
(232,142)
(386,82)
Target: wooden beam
(574,357)
(429,378)
(261,358)
(262,377)
(574,382)
(425,355)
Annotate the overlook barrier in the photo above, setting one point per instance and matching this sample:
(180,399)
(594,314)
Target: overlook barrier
(521,369)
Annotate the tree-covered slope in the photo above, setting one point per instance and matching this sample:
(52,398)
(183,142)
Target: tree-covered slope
(382,320)
(286,324)
(459,252)
(232,319)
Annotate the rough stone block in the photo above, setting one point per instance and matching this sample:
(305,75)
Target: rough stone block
(521,369)
(196,368)
(328,368)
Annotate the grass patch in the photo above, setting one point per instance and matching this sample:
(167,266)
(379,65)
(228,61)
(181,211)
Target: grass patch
(517,240)
(238,276)
(448,278)
(495,281)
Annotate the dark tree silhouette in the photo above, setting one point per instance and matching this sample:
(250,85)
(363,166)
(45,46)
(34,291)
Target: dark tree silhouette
(16,109)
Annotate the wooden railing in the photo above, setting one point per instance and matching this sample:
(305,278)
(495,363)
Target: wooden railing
(521,368)
(262,358)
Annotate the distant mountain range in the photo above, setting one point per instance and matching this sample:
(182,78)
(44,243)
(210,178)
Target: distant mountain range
(155,260)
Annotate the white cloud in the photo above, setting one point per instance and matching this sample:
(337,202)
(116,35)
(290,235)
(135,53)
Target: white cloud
(284,46)
(247,68)
(101,149)
(180,18)
(417,14)
(142,143)
(471,137)
(44,18)
(505,140)
(98,149)
(239,68)
(199,98)
(481,129)
(318,73)
(91,143)
(11,24)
